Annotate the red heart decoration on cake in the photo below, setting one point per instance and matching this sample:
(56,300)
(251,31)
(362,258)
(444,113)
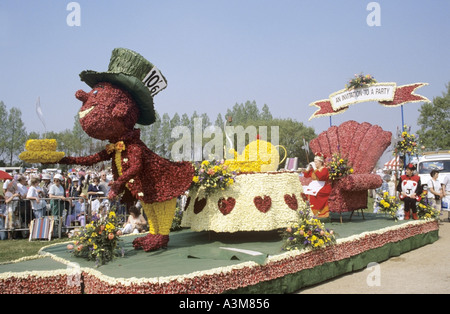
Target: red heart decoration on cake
(263,204)
(226,205)
(199,205)
(291,201)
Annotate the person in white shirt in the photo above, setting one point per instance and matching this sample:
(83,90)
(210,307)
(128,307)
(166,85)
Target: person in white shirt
(435,194)
(37,204)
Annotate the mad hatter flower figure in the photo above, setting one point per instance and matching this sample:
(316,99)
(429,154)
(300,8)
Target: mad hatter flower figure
(120,98)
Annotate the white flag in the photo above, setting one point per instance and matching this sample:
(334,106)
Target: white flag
(39,112)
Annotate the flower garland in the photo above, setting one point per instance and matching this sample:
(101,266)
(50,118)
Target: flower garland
(387,204)
(212,176)
(98,240)
(338,167)
(307,232)
(360,80)
(407,144)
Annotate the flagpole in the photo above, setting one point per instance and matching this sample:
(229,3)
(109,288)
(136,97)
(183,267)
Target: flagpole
(40,115)
(403,119)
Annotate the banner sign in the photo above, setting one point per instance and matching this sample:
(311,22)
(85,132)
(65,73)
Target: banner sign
(387,94)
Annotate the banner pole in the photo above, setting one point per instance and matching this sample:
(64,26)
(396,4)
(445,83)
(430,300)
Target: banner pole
(403,120)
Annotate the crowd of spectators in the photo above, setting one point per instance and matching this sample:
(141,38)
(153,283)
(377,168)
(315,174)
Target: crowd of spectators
(75,196)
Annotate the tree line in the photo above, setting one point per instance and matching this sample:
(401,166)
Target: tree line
(434,131)
(157,136)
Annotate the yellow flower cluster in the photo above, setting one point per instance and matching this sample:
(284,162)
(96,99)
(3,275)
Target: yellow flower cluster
(388,204)
(308,232)
(407,144)
(425,210)
(98,240)
(258,156)
(338,167)
(212,176)
(41,151)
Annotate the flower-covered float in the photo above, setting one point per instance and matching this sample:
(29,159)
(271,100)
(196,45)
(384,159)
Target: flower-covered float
(258,199)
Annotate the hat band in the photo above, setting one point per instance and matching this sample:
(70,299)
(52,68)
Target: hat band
(154,81)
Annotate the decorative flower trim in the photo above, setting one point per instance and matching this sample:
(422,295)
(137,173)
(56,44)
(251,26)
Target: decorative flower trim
(220,279)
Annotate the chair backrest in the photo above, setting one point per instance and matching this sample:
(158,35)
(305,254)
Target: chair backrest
(361,143)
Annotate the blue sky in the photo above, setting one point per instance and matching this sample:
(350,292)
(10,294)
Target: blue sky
(216,53)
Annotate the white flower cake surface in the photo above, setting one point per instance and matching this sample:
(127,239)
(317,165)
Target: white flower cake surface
(255,202)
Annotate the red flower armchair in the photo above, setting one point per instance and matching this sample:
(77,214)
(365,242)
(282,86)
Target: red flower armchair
(362,144)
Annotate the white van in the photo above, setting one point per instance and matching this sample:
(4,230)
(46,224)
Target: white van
(433,161)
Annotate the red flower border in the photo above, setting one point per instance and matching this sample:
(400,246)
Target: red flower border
(221,281)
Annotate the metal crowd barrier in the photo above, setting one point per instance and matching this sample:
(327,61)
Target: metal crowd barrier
(17,215)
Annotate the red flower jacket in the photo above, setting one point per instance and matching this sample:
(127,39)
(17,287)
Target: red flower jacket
(149,177)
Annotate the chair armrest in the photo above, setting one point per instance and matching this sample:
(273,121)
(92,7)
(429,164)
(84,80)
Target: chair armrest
(359,182)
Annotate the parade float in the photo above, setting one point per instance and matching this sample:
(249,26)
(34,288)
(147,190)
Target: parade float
(250,232)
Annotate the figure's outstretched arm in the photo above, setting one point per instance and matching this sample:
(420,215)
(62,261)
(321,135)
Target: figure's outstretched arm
(86,160)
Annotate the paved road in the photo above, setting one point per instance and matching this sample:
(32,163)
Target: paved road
(425,270)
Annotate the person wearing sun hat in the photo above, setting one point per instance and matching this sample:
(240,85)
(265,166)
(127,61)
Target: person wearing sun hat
(410,190)
(319,190)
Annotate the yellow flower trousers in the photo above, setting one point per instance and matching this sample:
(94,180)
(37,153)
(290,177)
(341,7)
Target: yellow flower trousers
(160,216)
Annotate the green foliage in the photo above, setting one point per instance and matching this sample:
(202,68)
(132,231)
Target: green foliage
(434,123)
(158,136)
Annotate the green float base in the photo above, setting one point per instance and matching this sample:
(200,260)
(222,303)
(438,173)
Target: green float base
(204,262)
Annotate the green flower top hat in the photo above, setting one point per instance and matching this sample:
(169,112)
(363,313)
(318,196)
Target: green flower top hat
(129,70)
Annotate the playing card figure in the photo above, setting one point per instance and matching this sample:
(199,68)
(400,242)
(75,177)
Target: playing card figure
(410,189)
(120,98)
